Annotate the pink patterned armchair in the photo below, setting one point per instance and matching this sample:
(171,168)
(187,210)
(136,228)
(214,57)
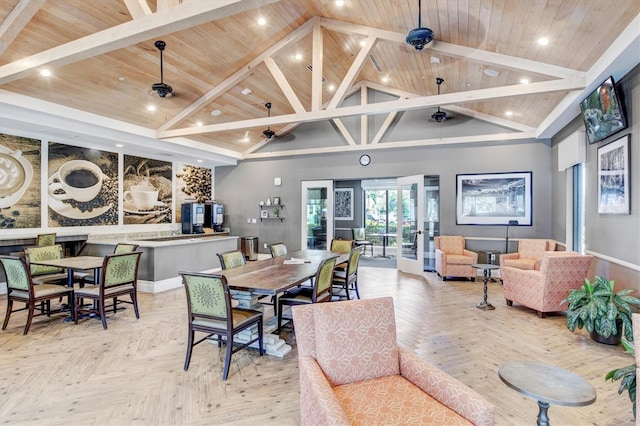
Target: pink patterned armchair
(529,255)
(353,372)
(452,259)
(543,290)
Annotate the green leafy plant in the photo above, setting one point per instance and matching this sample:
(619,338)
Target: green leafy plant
(596,307)
(627,374)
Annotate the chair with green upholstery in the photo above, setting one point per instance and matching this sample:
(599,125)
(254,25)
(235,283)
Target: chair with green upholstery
(118,249)
(210,311)
(46,239)
(319,292)
(347,280)
(20,288)
(360,239)
(119,278)
(46,274)
(342,246)
(278,249)
(231,259)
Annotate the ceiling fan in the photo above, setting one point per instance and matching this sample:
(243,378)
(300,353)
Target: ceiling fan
(161,88)
(268,133)
(419,37)
(439,116)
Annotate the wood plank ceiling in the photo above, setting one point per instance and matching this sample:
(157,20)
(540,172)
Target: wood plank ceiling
(103,60)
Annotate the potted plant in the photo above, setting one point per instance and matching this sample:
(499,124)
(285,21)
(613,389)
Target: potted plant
(627,374)
(602,312)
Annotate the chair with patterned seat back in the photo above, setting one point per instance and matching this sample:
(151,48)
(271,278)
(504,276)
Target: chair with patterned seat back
(360,238)
(529,254)
(342,246)
(278,249)
(46,239)
(119,278)
(231,259)
(20,288)
(210,311)
(118,249)
(453,259)
(347,280)
(42,274)
(319,292)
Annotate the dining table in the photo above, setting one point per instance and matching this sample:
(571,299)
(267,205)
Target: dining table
(279,274)
(75,263)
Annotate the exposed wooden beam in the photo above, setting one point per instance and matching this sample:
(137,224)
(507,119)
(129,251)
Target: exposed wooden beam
(491,118)
(344,131)
(316,71)
(166,4)
(284,85)
(473,139)
(364,119)
(389,106)
(241,74)
(385,126)
(15,21)
(138,8)
(183,16)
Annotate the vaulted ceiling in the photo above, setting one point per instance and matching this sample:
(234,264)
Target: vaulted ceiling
(305,59)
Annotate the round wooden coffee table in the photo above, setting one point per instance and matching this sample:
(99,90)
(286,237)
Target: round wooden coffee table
(548,385)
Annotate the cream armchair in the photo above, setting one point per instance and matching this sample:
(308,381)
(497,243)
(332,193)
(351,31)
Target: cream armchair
(543,290)
(352,371)
(453,259)
(529,255)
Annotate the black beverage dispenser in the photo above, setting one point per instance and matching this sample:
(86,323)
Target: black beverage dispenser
(192,218)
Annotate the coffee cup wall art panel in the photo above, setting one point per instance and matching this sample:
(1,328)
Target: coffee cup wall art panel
(147,186)
(20,176)
(82,186)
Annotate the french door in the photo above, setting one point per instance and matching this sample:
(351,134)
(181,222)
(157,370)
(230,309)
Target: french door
(317,214)
(410,241)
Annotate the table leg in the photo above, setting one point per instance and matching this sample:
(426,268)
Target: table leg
(484,304)
(543,418)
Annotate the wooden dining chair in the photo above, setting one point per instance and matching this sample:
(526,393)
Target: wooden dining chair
(20,288)
(278,249)
(118,249)
(210,311)
(342,246)
(42,274)
(231,259)
(347,280)
(119,278)
(46,239)
(319,292)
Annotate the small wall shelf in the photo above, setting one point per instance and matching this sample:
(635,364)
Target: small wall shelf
(268,212)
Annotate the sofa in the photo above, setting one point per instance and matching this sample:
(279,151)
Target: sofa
(544,289)
(453,259)
(529,254)
(353,372)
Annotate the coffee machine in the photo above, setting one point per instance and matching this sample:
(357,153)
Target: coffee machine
(213,215)
(192,218)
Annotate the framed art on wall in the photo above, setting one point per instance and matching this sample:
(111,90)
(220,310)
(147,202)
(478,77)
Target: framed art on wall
(493,199)
(344,204)
(613,177)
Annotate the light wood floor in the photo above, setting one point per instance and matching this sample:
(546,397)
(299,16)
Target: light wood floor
(131,374)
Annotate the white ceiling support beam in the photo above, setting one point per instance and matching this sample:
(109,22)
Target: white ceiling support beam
(491,119)
(364,119)
(240,75)
(617,61)
(448,49)
(166,4)
(16,20)
(344,131)
(183,16)
(474,139)
(284,85)
(390,106)
(385,126)
(138,8)
(353,72)
(316,67)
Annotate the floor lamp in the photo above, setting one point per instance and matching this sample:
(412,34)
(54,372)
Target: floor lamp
(511,223)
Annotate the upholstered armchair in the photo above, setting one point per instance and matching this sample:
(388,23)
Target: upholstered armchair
(453,259)
(529,255)
(543,290)
(635,319)
(352,371)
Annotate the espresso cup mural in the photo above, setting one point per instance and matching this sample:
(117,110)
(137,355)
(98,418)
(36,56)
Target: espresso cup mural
(82,186)
(147,196)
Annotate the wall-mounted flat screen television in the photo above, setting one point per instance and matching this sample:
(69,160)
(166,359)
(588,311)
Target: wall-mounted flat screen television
(603,112)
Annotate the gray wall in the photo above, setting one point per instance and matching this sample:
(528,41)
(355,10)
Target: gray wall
(242,187)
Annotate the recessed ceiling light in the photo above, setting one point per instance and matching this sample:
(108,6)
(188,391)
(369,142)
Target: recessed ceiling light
(385,79)
(262,21)
(121,78)
(339,3)
(524,81)
(543,41)
(151,107)
(119,145)
(216,112)
(246,91)
(45,73)
(491,73)
(298,56)
(199,124)
(199,161)
(332,87)
(362,43)
(434,60)
(508,113)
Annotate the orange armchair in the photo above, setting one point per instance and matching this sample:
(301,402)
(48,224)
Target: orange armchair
(352,371)
(543,290)
(529,255)
(453,259)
